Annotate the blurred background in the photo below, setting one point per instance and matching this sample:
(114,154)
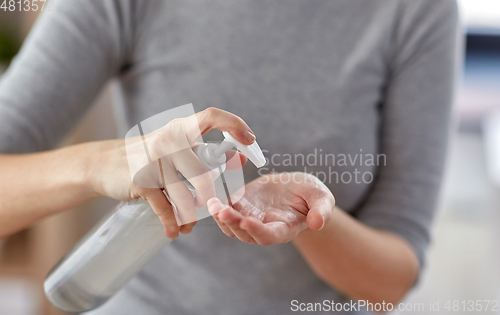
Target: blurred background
(464,259)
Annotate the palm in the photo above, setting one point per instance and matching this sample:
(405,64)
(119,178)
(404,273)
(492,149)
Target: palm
(273,207)
(274,203)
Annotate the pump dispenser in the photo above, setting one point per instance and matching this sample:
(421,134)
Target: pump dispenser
(213,155)
(116,249)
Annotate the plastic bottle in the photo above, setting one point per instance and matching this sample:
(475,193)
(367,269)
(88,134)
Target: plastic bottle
(117,248)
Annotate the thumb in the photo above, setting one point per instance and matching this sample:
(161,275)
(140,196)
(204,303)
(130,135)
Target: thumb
(320,210)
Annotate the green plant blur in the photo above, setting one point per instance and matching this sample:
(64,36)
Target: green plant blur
(9,46)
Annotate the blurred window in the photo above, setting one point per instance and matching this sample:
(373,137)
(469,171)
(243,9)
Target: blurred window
(481,16)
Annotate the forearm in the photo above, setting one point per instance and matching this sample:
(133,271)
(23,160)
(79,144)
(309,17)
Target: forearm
(359,261)
(36,185)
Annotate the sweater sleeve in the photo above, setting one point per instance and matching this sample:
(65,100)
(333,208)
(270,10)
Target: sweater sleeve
(71,52)
(415,122)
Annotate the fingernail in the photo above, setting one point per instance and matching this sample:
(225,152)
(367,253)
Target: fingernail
(249,136)
(322,226)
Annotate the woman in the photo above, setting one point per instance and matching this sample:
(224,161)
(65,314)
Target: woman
(337,77)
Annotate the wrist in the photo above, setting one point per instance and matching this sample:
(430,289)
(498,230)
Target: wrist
(327,231)
(107,168)
(94,158)
(85,156)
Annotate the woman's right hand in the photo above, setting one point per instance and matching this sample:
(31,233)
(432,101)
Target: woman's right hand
(170,151)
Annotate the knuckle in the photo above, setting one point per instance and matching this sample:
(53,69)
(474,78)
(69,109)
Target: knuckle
(211,112)
(164,213)
(233,227)
(174,123)
(210,115)
(167,222)
(172,227)
(158,144)
(172,130)
(235,120)
(167,218)
(184,200)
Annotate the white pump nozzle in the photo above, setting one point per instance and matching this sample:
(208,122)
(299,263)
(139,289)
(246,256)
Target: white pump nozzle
(252,152)
(214,155)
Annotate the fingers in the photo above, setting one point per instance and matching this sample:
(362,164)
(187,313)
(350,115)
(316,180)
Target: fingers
(178,194)
(214,118)
(315,219)
(224,228)
(262,235)
(175,140)
(168,217)
(320,209)
(193,169)
(187,228)
(266,234)
(231,218)
(214,207)
(184,201)
(163,210)
(249,229)
(228,220)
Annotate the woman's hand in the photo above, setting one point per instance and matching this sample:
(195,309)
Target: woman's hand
(275,208)
(170,151)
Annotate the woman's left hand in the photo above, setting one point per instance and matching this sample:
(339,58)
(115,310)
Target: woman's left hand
(275,208)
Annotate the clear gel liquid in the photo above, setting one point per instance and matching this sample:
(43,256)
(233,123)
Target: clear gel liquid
(106,258)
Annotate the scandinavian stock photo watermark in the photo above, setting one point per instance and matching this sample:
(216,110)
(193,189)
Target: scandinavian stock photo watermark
(330,168)
(458,306)
(26,5)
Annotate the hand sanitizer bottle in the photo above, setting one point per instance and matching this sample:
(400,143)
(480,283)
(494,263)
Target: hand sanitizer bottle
(117,248)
